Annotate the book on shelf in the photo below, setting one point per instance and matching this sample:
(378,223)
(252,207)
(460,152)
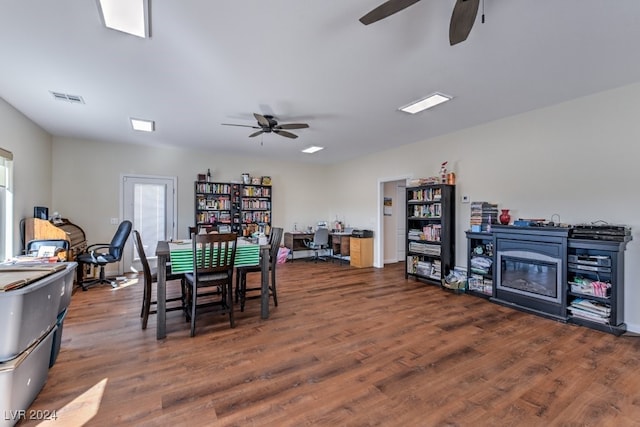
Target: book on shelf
(482,215)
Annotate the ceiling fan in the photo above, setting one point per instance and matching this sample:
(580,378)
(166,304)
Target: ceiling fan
(268,124)
(462,18)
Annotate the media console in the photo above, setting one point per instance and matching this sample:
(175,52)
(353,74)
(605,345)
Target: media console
(552,272)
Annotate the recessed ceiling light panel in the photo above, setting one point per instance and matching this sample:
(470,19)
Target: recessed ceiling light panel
(425,103)
(312,149)
(128,16)
(143,125)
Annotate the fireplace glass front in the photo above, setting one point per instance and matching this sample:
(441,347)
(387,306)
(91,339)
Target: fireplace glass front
(530,274)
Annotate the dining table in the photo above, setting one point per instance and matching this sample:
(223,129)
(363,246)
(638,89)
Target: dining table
(164,251)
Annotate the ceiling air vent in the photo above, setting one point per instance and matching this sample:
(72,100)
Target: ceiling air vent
(69,98)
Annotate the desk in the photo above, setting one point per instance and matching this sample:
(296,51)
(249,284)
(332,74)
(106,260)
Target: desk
(340,244)
(294,241)
(164,256)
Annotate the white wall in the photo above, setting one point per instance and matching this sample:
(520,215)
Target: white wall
(86,176)
(578,159)
(31,148)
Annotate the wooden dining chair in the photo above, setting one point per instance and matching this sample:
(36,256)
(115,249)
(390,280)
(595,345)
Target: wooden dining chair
(150,277)
(241,272)
(211,282)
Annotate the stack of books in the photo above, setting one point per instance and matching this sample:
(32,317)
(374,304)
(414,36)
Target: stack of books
(483,214)
(590,310)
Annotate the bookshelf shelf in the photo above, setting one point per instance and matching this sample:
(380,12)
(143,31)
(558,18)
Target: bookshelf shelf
(480,259)
(430,232)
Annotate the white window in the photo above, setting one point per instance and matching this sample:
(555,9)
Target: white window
(6,204)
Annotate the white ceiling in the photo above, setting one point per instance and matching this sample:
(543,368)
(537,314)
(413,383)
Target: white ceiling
(211,62)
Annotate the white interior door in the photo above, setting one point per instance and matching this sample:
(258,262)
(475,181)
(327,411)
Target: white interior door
(401,242)
(149,202)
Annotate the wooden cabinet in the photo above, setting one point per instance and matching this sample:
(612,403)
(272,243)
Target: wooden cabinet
(294,241)
(361,250)
(430,232)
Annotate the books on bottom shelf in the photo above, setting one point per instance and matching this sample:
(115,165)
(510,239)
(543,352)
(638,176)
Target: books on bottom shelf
(480,284)
(431,269)
(590,310)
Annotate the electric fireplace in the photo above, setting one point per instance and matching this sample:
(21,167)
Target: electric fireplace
(531,269)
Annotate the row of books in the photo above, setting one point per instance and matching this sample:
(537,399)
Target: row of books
(426,211)
(431,269)
(430,232)
(483,214)
(424,248)
(425,195)
(213,188)
(590,310)
(480,284)
(216,204)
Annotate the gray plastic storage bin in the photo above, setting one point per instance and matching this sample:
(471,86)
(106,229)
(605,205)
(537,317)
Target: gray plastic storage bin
(57,338)
(27,313)
(66,286)
(22,378)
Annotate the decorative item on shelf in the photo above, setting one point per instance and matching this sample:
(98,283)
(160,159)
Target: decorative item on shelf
(443,173)
(266,180)
(246,178)
(505,218)
(208,175)
(202,177)
(451,178)
(256,180)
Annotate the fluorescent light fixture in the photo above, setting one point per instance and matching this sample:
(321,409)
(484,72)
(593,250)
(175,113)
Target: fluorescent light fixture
(312,149)
(143,125)
(425,103)
(128,16)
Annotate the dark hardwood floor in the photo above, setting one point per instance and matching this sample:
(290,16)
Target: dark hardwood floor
(345,347)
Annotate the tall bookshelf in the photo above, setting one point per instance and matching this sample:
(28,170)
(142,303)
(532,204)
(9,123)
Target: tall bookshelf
(430,232)
(215,204)
(255,209)
(246,208)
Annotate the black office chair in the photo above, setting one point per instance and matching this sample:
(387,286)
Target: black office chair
(319,243)
(61,247)
(241,272)
(101,259)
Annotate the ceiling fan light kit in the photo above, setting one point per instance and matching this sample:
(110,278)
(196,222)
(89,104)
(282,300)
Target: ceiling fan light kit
(268,124)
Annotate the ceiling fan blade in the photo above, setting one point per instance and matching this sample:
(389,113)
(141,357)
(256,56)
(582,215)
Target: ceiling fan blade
(386,9)
(262,120)
(292,126)
(462,20)
(285,133)
(243,126)
(256,133)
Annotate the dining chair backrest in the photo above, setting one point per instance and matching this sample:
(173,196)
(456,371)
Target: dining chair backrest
(146,269)
(213,253)
(275,237)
